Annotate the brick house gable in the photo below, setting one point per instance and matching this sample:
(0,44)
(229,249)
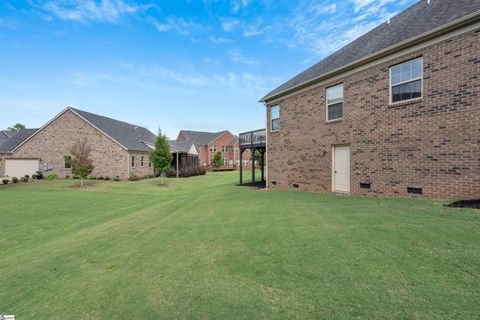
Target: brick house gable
(53,141)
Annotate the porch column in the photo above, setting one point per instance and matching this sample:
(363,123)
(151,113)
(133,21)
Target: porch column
(241,167)
(252,151)
(263,165)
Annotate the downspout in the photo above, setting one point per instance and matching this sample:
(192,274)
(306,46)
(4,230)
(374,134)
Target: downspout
(177,164)
(266,145)
(128,165)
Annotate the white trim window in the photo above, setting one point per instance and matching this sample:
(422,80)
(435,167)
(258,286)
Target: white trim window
(274,118)
(335,102)
(406,81)
(133,161)
(213,148)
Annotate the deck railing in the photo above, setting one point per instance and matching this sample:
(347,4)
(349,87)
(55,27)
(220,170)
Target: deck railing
(252,138)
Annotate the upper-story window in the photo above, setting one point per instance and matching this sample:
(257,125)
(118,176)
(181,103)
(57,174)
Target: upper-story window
(141,161)
(213,148)
(335,102)
(225,149)
(275,118)
(406,81)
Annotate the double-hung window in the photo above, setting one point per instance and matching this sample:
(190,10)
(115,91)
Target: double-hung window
(133,161)
(274,118)
(213,148)
(141,161)
(335,102)
(406,81)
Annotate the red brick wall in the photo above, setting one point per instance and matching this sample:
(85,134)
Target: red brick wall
(223,140)
(205,155)
(433,144)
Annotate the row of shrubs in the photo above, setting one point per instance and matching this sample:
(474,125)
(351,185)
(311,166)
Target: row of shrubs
(134,177)
(183,173)
(187,172)
(16,180)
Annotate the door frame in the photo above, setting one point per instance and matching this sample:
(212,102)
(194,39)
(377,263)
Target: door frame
(349,167)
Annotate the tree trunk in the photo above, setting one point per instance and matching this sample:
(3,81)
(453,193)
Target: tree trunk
(81,183)
(162,176)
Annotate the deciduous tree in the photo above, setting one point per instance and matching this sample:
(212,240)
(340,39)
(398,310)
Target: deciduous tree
(80,162)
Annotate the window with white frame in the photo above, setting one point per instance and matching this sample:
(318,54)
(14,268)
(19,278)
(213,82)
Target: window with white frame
(225,161)
(406,81)
(141,161)
(275,118)
(133,161)
(213,148)
(335,102)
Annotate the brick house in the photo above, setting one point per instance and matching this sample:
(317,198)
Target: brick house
(209,143)
(119,149)
(394,113)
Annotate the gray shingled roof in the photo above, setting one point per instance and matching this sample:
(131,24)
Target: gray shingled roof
(201,137)
(418,19)
(128,135)
(5,135)
(16,139)
(180,146)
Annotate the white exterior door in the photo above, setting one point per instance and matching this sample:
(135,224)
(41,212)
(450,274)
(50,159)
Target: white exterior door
(20,167)
(341,168)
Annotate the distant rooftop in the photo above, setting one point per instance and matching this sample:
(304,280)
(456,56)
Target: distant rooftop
(16,139)
(201,137)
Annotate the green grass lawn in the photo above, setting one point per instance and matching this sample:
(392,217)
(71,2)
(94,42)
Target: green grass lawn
(203,248)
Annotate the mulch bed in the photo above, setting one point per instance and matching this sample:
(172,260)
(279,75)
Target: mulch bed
(475,204)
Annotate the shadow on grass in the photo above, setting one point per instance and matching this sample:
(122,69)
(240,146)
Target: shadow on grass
(475,204)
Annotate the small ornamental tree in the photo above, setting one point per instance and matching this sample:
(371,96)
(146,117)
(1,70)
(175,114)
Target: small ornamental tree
(217,161)
(160,157)
(80,162)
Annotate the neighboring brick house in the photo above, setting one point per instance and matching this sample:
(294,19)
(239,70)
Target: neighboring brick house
(209,143)
(394,113)
(119,149)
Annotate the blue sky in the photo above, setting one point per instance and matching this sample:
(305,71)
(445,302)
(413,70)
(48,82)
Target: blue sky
(200,65)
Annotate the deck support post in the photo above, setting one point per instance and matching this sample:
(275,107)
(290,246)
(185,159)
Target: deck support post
(241,166)
(263,165)
(252,156)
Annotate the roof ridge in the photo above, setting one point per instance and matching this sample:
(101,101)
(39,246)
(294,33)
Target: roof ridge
(105,117)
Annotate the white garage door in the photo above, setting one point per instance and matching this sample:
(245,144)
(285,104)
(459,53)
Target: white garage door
(20,167)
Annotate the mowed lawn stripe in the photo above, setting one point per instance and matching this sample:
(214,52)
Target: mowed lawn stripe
(203,248)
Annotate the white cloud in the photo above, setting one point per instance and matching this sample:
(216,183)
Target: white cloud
(229,24)
(218,40)
(103,10)
(322,29)
(238,82)
(178,25)
(238,57)
(237,5)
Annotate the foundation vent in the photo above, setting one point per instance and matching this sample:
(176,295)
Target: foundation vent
(274,183)
(295,185)
(365,186)
(414,190)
